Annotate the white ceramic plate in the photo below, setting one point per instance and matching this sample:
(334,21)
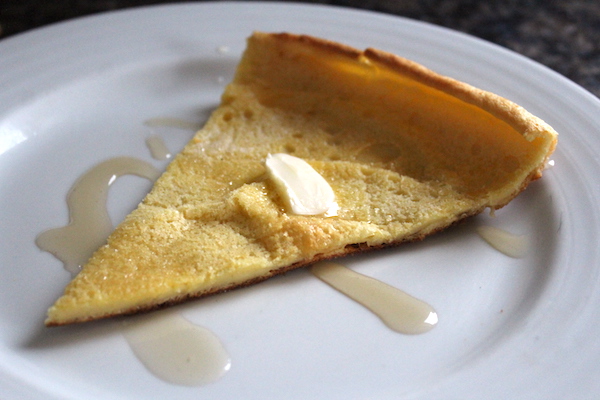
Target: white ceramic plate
(78,93)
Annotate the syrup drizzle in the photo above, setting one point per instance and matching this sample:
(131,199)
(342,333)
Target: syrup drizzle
(89,221)
(156,144)
(400,311)
(158,148)
(172,123)
(515,246)
(176,350)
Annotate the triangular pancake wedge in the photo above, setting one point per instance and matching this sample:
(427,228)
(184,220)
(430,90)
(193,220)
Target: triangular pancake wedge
(406,151)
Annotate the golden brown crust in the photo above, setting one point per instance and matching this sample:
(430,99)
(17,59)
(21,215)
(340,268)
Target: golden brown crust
(322,44)
(532,128)
(521,120)
(498,106)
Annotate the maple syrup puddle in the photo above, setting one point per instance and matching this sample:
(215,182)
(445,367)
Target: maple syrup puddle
(89,221)
(398,310)
(175,350)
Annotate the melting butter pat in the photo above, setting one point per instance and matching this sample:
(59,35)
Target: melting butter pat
(303,189)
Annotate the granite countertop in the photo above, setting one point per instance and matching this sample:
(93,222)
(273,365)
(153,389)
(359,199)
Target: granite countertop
(561,34)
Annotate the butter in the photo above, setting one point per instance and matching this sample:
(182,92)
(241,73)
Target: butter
(303,189)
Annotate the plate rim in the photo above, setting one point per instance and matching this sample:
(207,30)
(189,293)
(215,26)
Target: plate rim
(592,101)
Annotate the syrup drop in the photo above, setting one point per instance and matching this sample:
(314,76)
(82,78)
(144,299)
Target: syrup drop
(176,350)
(400,311)
(89,221)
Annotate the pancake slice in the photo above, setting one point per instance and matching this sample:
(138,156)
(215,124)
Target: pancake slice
(406,151)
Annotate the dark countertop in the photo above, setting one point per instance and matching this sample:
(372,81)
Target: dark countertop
(561,34)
